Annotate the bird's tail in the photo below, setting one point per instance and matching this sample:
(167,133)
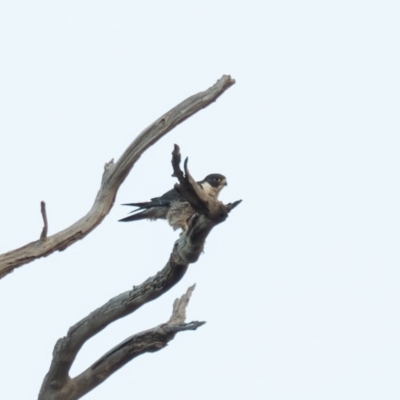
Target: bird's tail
(142,207)
(145,204)
(135,217)
(153,209)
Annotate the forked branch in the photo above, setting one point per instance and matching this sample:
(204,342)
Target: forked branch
(58,386)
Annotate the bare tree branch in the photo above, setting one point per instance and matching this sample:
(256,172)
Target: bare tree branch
(151,340)
(113,176)
(118,307)
(58,385)
(43,235)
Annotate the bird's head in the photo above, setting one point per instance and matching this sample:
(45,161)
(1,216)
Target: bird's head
(213,184)
(216,180)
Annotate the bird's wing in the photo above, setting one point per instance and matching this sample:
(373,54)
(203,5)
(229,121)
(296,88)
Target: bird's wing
(165,200)
(156,208)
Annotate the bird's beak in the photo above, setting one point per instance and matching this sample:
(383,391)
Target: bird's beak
(225,183)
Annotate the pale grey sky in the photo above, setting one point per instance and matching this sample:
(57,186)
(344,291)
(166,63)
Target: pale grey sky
(300,286)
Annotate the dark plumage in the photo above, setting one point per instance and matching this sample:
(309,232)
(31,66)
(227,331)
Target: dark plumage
(172,207)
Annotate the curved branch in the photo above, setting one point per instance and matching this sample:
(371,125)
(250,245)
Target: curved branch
(113,176)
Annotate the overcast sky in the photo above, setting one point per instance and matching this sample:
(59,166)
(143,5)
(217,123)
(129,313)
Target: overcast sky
(300,286)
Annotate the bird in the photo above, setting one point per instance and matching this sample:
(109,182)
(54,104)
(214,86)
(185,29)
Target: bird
(173,207)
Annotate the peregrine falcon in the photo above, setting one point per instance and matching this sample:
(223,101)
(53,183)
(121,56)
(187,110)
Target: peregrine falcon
(171,205)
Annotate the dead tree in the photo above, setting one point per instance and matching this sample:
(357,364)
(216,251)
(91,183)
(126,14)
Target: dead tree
(58,384)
